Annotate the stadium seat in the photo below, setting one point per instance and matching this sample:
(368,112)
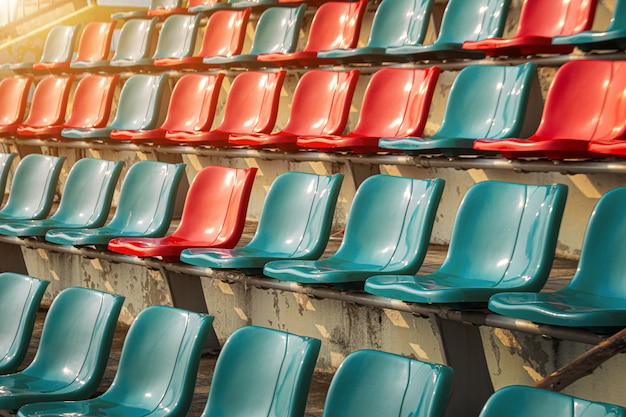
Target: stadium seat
(262,371)
(32,188)
(251,107)
(395,24)
(224,35)
(503,239)
(539,22)
(177,38)
(396,103)
(320,106)
(484,102)
(295,223)
(94,46)
(582,106)
(72,353)
(387,232)
(6,161)
(335,25)
(156,372)
(596,296)
(138,108)
(370,383)
(192,106)
(145,207)
(209,6)
(276,32)
(199,6)
(20,297)
(157,8)
(14,92)
(214,215)
(135,45)
(57,51)
(85,201)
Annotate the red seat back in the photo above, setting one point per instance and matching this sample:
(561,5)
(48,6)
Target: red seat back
(336,25)
(13,97)
(225,33)
(555,17)
(49,102)
(95,42)
(92,102)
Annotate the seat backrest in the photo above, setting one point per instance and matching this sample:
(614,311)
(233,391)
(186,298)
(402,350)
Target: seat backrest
(147,196)
(157,6)
(193,102)
(262,371)
(297,215)
(277,30)
(14,92)
(32,187)
(336,25)
(95,42)
(252,102)
(88,192)
(225,33)
(371,383)
(555,18)
(390,222)
(20,296)
(396,102)
(617,21)
(135,40)
(76,339)
(59,44)
(49,103)
(400,23)
(6,162)
(177,38)
(159,360)
(472,20)
(521,401)
(487,102)
(93,99)
(321,103)
(506,234)
(139,104)
(216,205)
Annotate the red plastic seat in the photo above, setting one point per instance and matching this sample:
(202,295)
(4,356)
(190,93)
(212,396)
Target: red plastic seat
(336,25)
(213,216)
(251,107)
(396,102)
(224,35)
(13,98)
(539,22)
(94,45)
(584,104)
(320,107)
(191,107)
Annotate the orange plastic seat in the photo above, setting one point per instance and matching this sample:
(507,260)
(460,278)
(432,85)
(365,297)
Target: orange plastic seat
(396,103)
(214,215)
(191,107)
(584,104)
(251,107)
(13,97)
(91,108)
(94,45)
(539,22)
(336,25)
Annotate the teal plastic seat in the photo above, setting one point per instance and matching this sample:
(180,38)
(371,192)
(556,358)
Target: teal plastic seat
(135,44)
(503,239)
(72,353)
(521,401)
(156,373)
(85,201)
(295,223)
(6,161)
(387,232)
(138,108)
(32,187)
(20,296)
(145,207)
(484,102)
(262,372)
(596,296)
(371,383)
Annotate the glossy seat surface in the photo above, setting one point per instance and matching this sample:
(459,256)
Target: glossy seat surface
(539,22)
(295,223)
(156,372)
(251,107)
(320,107)
(85,201)
(20,297)
(177,38)
(58,48)
(145,207)
(387,232)
(32,188)
(262,371)
(163,8)
(135,43)
(6,162)
(596,295)
(484,102)
(396,103)
(94,45)
(503,239)
(73,350)
(583,106)
(214,215)
(48,105)
(371,383)
(14,92)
